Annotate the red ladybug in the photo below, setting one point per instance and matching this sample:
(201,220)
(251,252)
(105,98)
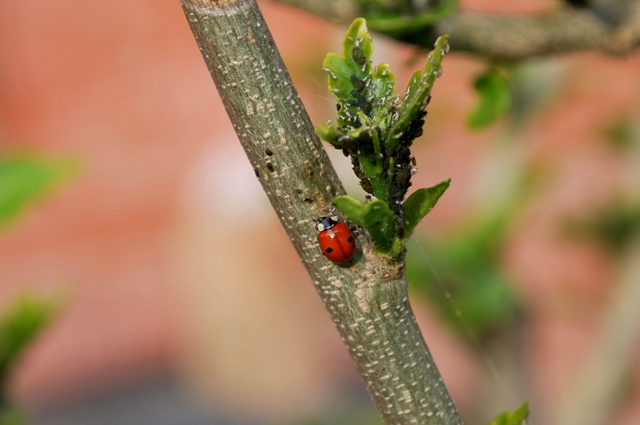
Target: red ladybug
(336,240)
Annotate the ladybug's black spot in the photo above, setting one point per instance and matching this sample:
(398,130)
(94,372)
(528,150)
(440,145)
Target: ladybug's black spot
(329,250)
(255,170)
(268,151)
(307,200)
(350,239)
(270,167)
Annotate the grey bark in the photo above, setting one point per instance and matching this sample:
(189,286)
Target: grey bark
(368,300)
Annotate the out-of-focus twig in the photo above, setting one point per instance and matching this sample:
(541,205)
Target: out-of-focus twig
(507,37)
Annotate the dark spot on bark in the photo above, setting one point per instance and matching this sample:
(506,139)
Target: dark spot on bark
(255,170)
(270,167)
(299,191)
(308,200)
(268,151)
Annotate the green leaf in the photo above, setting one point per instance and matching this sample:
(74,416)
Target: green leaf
(383,83)
(19,325)
(25,178)
(352,208)
(362,92)
(495,99)
(376,217)
(418,91)
(517,417)
(349,72)
(332,135)
(357,36)
(420,203)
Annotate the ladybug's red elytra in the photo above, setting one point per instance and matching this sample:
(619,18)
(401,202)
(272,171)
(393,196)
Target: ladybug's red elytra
(336,240)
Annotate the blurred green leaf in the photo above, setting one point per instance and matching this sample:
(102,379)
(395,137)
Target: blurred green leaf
(495,99)
(517,417)
(24,319)
(623,134)
(535,84)
(467,266)
(11,416)
(418,205)
(376,217)
(397,26)
(613,225)
(408,21)
(26,178)
(346,411)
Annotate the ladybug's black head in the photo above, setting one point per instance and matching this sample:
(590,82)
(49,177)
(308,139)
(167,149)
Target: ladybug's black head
(325,223)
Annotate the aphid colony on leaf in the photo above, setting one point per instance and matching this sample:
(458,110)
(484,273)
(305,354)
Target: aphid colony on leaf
(376,128)
(336,240)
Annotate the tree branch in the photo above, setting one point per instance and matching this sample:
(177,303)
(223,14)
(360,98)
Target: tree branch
(368,300)
(500,37)
(520,37)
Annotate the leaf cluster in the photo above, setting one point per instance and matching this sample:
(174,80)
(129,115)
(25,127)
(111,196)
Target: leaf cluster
(376,128)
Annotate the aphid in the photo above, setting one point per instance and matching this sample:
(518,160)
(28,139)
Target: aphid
(336,240)
(358,84)
(403,176)
(356,55)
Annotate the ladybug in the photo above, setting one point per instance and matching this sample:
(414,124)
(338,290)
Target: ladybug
(336,240)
